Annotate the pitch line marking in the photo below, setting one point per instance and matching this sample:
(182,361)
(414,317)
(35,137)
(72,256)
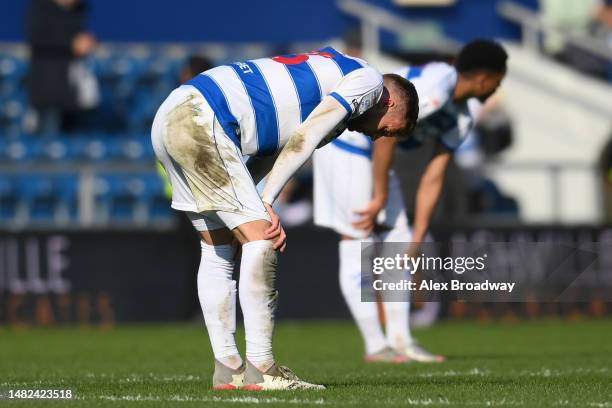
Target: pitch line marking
(234,400)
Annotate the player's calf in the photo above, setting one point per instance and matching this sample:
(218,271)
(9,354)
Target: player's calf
(258,300)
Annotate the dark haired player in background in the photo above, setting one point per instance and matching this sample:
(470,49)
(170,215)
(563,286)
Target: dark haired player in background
(353,177)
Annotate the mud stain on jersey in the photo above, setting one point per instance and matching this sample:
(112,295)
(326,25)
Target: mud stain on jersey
(316,120)
(295,144)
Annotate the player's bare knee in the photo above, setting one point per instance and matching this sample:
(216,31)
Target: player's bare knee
(252,231)
(217,237)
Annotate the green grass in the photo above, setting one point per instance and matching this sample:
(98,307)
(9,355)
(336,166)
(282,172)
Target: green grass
(541,363)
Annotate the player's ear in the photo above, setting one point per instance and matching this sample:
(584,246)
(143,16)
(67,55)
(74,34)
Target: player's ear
(385,98)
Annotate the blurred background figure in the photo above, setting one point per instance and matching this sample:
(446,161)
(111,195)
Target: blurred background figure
(294,204)
(602,28)
(61,86)
(585,21)
(606,176)
(194,65)
(569,16)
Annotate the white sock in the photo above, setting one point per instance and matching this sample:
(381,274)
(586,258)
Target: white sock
(396,324)
(258,301)
(364,313)
(397,311)
(396,305)
(217,294)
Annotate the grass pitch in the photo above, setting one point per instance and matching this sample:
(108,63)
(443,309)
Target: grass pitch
(528,364)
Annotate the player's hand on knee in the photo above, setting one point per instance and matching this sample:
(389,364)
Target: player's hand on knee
(276,231)
(367,216)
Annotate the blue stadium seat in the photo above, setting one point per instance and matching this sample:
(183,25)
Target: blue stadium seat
(120,72)
(13,71)
(132,149)
(76,148)
(162,70)
(158,205)
(132,198)
(96,149)
(8,198)
(99,148)
(21,150)
(53,149)
(67,187)
(132,86)
(49,198)
(149,153)
(145,105)
(39,193)
(117,196)
(12,111)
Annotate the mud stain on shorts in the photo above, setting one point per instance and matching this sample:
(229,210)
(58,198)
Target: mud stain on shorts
(191,144)
(190,141)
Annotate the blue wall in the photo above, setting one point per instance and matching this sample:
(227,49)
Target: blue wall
(278,21)
(11,20)
(464,21)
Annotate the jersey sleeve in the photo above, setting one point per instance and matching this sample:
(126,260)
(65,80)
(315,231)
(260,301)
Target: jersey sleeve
(475,107)
(359,90)
(435,86)
(465,122)
(323,119)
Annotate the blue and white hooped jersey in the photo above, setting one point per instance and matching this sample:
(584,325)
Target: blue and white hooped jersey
(439,116)
(259,103)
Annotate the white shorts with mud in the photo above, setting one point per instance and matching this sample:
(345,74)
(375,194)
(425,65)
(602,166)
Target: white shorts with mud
(206,169)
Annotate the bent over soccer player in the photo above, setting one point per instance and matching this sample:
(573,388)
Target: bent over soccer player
(275,111)
(352,177)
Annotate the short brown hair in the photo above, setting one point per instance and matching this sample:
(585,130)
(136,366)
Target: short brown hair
(410,96)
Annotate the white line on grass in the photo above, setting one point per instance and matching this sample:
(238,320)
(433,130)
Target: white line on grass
(232,400)
(452,373)
(386,402)
(543,372)
(598,404)
(446,401)
(140,377)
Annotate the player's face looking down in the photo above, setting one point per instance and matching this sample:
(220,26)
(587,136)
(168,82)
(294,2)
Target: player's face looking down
(387,118)
(486,83)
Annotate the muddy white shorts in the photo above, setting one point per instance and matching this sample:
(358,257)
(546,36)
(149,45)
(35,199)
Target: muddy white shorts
(343,183)
(206,169)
